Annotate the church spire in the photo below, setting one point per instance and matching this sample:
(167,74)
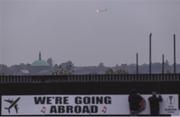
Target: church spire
(40,56)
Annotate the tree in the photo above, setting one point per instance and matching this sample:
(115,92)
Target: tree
(65,68)
(168,71)
(109,71)
(50,61)
(101,64)
(117,71)
(4,69)
(121,71)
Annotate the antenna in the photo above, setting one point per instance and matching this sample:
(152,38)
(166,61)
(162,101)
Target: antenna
(137,69)
(162,63)
(150,62)
(174,37)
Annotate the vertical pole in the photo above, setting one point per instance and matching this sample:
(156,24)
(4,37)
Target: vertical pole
(174,37)
(150,35)
(162,63)
(137,69)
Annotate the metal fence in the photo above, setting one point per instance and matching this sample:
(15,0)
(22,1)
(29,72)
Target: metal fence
(91,78)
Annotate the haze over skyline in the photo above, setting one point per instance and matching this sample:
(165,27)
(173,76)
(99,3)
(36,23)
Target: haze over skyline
(73,30)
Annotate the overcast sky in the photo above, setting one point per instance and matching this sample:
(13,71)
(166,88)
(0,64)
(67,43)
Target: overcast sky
(74,30)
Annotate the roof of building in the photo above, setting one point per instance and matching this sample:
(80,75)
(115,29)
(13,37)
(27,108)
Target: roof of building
(40,62)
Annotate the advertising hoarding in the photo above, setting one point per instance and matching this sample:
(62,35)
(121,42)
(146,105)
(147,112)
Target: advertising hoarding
(80,105)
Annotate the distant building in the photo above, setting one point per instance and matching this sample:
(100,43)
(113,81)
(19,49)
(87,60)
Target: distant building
(50,61)
(40,67)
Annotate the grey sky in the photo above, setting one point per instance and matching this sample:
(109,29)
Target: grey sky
(72,30)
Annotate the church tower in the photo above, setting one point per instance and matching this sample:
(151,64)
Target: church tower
(39,56)
(40,66)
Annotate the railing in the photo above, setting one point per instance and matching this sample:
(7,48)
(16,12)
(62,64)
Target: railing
(91,78)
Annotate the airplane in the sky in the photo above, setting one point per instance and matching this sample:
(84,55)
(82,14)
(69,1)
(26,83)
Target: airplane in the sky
(12,104)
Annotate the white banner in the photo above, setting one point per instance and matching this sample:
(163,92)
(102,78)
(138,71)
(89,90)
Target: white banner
(80,105)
